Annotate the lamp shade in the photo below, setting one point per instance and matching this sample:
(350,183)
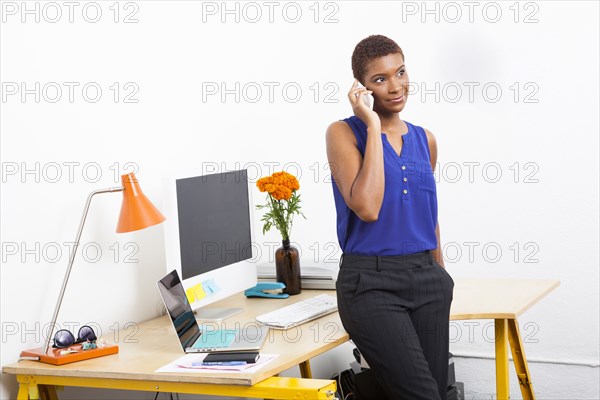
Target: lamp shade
(137,212)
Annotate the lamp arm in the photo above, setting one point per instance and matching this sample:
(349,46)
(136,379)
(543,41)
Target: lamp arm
(72,259)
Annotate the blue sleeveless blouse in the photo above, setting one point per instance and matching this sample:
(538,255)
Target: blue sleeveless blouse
(408,215)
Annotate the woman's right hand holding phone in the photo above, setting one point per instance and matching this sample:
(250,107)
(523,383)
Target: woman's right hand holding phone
(360,97)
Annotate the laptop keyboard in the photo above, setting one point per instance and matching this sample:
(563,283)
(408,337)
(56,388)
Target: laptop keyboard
(300,312)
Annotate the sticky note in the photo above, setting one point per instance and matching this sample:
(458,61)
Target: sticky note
(213,285)
(190,294)
(210,287)
(207,288)
(199,292)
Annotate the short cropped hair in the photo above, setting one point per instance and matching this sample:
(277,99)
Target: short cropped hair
(370,48)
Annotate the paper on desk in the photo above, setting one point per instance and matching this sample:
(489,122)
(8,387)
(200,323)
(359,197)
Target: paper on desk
(184,364)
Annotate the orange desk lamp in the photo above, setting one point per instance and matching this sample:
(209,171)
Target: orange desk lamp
(137,212)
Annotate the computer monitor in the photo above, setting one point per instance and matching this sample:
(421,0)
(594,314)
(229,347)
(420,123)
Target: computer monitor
(208,238)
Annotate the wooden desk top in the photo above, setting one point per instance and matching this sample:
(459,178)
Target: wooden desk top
(497,298)
(155,344)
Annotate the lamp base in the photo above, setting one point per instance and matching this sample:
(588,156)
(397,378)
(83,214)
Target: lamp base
(54,357)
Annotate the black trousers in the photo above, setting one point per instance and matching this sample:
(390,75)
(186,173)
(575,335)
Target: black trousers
(396,310)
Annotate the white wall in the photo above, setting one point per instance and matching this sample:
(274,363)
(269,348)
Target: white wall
(540,134)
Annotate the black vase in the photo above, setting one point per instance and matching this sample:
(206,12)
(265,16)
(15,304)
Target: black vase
(287,268)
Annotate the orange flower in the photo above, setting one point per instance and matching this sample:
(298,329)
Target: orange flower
(294,184)
(285,179)
(270,188)
(280,186)
(281,193)
(262,182)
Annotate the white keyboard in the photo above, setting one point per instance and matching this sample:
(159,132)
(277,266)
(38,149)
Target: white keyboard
(300,312)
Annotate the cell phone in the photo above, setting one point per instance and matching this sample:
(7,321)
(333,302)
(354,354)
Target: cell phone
(366,98)
(249,357)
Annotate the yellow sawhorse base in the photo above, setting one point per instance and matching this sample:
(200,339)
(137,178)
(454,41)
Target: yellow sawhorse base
(305,371)
(518,353)
(31,387)
(507,333)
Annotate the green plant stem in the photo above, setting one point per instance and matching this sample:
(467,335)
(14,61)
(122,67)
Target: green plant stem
(278,211)
(281,215)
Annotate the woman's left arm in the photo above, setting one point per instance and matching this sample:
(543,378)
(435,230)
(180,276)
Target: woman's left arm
(437,253)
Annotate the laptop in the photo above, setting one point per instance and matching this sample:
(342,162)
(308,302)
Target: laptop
(195,340)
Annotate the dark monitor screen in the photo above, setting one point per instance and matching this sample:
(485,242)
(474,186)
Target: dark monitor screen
(214,221)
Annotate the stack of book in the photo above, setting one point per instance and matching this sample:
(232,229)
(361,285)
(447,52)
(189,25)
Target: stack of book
(313,275)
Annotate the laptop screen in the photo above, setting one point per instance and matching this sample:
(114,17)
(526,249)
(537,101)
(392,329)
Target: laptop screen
(178,306)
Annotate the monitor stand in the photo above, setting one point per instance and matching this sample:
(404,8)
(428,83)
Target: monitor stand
(216,314)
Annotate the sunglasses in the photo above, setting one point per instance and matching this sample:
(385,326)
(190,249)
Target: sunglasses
(64,338)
